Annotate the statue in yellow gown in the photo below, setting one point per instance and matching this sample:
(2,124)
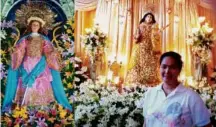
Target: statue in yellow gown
(144,63)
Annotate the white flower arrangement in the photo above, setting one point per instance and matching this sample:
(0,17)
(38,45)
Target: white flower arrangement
(201,39)
(104,106)
(93,40)
(200,84)
(209,97)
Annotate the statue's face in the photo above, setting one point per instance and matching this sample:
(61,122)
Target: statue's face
(148,19)
(35,26)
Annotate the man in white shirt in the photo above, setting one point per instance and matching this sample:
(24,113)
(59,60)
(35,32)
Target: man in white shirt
(171,104)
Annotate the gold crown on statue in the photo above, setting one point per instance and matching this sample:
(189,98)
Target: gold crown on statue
(150,8)
(35,11)
(36,19)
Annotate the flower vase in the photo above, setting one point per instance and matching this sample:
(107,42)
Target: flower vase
(200,69)
(93,68)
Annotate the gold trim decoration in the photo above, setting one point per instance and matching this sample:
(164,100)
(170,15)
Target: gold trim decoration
(55,36)
(37,19)
(17,37)
(35,11)
(150,8)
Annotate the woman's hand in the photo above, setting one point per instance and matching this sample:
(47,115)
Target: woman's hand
(138,34)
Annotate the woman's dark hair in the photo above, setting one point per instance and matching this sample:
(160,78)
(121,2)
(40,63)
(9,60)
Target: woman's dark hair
(29,30)
(175,56)
(144,17)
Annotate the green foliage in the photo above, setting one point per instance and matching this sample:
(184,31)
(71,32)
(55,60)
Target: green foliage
(71,64)
(68,7)
(5,6)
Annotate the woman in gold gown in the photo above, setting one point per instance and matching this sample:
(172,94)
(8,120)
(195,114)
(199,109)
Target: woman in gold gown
(143,67)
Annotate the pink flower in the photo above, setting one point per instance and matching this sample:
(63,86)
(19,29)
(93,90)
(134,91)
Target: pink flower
(17,121)
(9,123)
(65,37)
(41,123)
(38,115)
(53,112)
(63,121)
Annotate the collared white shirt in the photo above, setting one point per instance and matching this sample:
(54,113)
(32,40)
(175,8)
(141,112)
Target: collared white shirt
(181,108)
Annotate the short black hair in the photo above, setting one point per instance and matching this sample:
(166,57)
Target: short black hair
(144,17)
(176,56)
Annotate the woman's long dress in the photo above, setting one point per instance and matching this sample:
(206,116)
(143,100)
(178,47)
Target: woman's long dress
(34,78)
(144,63)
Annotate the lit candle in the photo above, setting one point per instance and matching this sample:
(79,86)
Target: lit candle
(201,19)
(190,81)
(102,79)
(182,78)
(116,80)
(109,75)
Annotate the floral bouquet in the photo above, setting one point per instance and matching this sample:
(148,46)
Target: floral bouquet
(103,106)
(73,73)
(41,116)
(94,40)
(201,40)
(208,95)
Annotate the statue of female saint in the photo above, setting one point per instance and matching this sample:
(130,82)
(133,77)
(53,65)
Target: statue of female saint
(34,75)
(143,66)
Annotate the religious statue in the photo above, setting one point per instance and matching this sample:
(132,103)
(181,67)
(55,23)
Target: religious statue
(144,62)
(34,74)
